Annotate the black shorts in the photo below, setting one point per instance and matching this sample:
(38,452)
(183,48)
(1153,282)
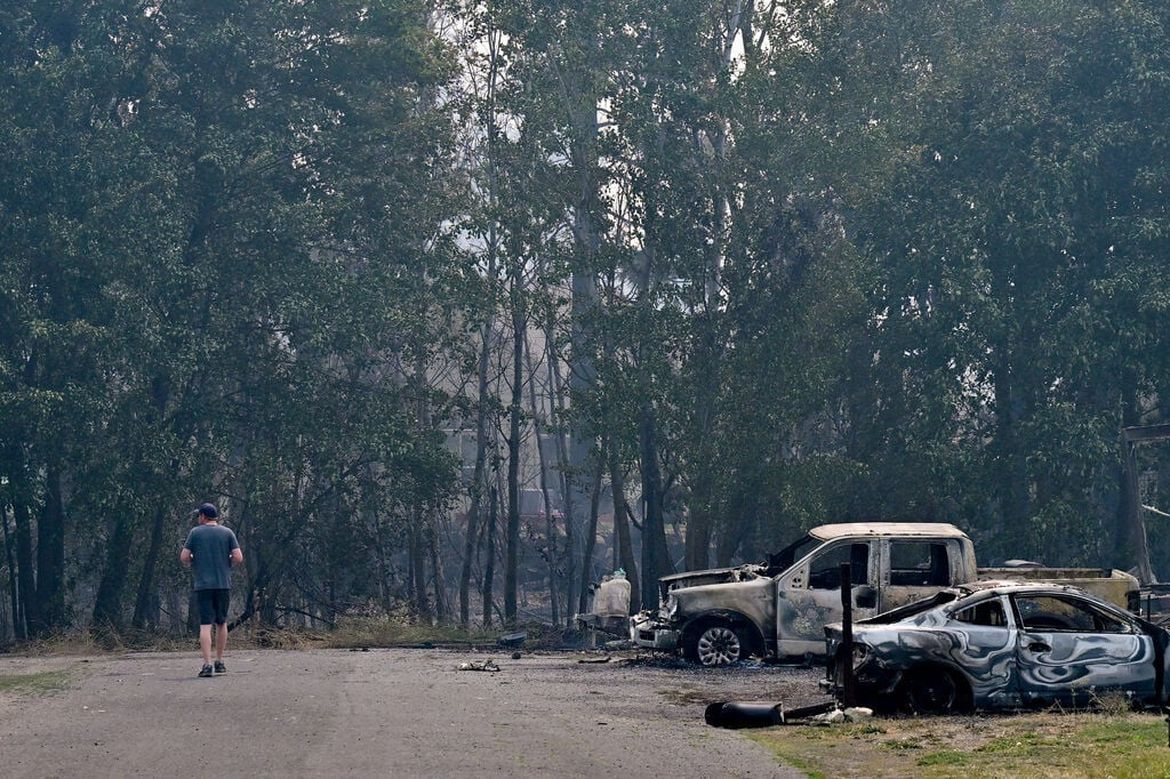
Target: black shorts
(213,606)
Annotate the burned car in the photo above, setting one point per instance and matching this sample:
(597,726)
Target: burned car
(1001,645)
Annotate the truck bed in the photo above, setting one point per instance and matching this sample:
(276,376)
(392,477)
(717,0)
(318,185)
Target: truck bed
(1109,584)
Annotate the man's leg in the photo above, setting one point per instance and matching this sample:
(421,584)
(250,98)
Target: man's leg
(206,617)
(221,631)
(205,642)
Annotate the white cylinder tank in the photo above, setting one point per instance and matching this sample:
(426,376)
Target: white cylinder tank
(612,598)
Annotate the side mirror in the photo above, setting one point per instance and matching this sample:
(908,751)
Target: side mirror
(865,596)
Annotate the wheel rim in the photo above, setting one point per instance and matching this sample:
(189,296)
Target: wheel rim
(934,691)
(719,645)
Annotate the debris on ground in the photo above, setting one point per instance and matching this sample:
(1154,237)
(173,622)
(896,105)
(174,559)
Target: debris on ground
(838,716)
(594,659)
(476,665)
(759,714)
(512,639)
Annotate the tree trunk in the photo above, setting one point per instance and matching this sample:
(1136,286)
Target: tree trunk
(623,546)
(735,529)
(51,557)
(145,611)
(418,569)
(558,411)
(107,610)
(437,574)
(590,537)
(512,541)
(655,557)
(699,521)
(146,602)
(475,510)
(549,526)
(478,484)
(423,515)
(22,518)
(18,629)
(29,608)
(1013,472)
(489,572)
(469,548)
(581,107)
(582,379)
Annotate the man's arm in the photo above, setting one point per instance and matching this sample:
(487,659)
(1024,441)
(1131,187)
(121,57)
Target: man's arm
(185,557)
(237,557)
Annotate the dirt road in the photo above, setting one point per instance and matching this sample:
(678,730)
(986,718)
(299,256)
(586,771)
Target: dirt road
(400,713)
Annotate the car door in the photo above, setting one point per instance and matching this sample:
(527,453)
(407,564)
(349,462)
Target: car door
(985,649)
(808,595)
(1070,649)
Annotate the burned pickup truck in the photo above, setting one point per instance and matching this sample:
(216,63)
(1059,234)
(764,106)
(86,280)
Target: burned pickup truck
(779,609)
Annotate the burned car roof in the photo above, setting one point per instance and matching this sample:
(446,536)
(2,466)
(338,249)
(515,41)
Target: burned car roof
(960,591)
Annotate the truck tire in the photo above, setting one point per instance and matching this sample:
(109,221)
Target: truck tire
(717,642)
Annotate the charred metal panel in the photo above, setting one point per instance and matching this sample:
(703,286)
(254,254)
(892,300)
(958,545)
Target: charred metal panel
(1072,667)
(752,598)
(678,581)
(809,597)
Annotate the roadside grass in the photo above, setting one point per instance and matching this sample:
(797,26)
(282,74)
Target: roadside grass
(93,642)
(371,633)
(350,633)
(1060,746)
(39,683)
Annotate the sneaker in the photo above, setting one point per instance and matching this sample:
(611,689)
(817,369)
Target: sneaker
(206,671)
(220,668)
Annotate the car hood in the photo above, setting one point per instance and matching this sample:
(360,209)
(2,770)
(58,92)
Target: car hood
(678,581)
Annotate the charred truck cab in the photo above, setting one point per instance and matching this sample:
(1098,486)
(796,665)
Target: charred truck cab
(780,609)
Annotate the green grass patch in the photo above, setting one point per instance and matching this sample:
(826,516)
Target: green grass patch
(1059,746)
(945,758)
(34,683)
(384,633)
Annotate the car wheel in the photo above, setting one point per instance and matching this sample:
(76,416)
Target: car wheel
(933,691)
(717,643)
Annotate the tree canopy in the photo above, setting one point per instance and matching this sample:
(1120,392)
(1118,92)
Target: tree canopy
(372,275)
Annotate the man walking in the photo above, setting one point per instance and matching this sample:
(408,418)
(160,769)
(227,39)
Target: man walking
(213,550)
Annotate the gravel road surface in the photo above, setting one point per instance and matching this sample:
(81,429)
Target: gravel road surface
(394,712)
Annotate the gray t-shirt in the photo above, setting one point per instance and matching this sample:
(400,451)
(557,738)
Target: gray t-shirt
(211,549)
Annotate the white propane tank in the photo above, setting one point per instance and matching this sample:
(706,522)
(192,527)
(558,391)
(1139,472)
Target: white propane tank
(613,597)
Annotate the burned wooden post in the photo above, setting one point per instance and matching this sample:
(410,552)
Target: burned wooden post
(846,652)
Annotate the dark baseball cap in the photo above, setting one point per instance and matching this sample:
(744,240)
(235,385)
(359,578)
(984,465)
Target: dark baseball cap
(208,510)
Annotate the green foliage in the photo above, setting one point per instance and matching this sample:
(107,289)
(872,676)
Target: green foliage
(849,261)
(206,289)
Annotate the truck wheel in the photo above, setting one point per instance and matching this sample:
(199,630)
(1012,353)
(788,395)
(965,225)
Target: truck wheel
(717,643)
(929,690)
